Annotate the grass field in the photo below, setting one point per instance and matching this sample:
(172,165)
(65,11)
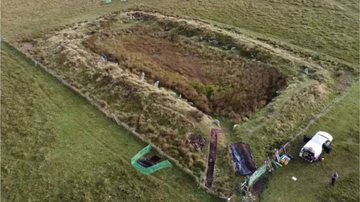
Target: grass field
(313,182)
(57,147)
(326,26)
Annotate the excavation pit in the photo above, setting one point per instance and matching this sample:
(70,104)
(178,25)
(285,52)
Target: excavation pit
(214,74)
(215,80)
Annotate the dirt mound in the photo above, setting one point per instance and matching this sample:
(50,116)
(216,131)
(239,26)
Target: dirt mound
(196,142)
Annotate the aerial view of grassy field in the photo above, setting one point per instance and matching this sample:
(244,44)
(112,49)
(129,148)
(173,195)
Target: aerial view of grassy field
(58,147)
(85,85)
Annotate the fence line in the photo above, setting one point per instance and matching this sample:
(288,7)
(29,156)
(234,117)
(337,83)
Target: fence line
(323,112)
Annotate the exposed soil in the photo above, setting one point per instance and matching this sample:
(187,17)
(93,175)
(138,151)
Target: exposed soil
(196,142)
(148,162)
(215,81)
(26,47)
(259,186)
(212,158)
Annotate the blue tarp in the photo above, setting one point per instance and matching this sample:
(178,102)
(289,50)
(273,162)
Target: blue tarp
(243,159)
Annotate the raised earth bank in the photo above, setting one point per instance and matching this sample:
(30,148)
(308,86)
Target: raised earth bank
(201,71)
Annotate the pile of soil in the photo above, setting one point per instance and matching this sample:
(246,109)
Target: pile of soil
(196,142)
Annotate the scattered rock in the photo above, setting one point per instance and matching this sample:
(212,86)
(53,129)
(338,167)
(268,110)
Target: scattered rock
(217,122)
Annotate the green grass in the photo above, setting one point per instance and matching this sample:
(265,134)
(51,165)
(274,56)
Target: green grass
(326,26)
(57,147)
(313,182)
(49,131)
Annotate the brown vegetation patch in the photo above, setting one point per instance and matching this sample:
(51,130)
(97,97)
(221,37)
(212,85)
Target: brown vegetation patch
(196,142)
(215,81)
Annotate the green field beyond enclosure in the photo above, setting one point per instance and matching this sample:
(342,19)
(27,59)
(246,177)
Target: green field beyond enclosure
(264,68)
(327,26)
(57,147)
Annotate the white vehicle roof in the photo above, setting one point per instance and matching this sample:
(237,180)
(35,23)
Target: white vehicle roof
(325,134)
(316,142)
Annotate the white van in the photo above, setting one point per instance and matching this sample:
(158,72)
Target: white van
(312,150)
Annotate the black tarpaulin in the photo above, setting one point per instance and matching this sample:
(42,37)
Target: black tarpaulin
(243,159)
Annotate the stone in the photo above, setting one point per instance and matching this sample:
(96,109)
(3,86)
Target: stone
(142,76)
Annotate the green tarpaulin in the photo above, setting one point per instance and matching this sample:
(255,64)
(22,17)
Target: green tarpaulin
(151,169)
(256,175)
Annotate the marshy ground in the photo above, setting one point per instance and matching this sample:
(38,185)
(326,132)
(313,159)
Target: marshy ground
(214,80)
